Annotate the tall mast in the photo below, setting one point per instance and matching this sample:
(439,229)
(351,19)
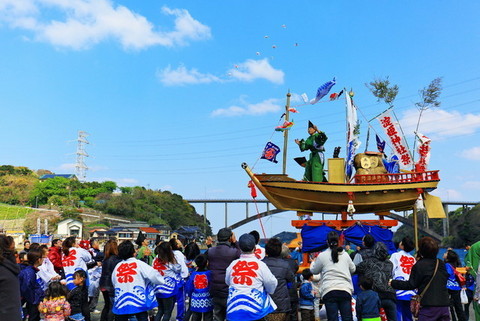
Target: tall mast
(285,134)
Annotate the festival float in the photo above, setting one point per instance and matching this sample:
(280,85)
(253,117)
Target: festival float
(361,183)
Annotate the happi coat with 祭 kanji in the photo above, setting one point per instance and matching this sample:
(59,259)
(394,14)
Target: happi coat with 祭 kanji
(171,272)
(402,267)
(259,252)
(250,282)
(198,289)
(314,167)
(76,259)
(134,283)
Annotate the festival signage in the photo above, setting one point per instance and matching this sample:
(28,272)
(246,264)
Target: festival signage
(424,151)
(399,144)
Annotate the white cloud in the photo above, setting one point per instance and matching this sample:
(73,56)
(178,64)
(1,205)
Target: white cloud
(247,71)
(267,106)
(70,167)
(439,123)
(257,69)
(474,185)
(183,76)
(447,194)
(80,24)
(471,153)
(67,167)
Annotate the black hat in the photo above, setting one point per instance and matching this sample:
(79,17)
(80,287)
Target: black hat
(300,160)
(310,124)
(246,242)
(140,239)
(224,234)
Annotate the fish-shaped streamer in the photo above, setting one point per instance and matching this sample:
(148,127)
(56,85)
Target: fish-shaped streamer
(323,90)
(292,110)
(286,126)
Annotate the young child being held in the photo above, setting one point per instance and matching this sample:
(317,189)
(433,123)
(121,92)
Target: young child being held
(55,306)
(307,297)
(198,289)
(368,302)
(78,297)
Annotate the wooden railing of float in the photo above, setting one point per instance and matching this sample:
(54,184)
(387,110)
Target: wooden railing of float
(397,178)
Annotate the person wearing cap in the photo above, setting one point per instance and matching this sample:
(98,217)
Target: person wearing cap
(314,143)
(259,251)
(144,252)
(250,284)
(219,258)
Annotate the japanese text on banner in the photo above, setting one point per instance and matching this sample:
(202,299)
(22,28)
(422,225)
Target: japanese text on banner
(398,141)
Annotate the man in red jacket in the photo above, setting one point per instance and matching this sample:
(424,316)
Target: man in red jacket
(55,255)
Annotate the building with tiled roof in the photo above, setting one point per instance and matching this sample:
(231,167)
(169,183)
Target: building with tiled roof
(67,176)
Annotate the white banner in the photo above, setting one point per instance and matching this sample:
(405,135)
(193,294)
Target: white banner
(424,151)
(399,144)
(352,134)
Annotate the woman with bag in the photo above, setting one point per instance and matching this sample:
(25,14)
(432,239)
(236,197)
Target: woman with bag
(454,285)
(429,276)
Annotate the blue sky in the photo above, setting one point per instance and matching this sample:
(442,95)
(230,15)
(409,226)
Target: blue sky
(177,94)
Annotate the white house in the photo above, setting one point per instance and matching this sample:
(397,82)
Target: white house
(70,227)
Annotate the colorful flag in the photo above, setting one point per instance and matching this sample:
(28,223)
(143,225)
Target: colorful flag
(323,90)
(352,135)
(270,152)
(380,144)
(424,151)
(399,144)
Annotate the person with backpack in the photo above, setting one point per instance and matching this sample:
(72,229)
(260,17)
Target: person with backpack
(379,269)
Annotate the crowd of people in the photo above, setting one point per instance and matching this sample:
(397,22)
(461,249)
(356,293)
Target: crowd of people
(235,280)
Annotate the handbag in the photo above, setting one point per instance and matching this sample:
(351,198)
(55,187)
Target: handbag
(415,300)
(463,296)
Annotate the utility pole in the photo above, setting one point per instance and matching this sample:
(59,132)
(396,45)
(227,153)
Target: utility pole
(80,167)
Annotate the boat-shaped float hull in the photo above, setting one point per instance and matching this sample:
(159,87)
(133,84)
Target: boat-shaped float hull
(368,193)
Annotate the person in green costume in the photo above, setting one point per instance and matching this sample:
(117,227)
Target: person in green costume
(471,261)
(144,253)
(314,143)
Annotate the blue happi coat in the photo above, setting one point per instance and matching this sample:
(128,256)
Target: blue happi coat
(134,283)
(250,282)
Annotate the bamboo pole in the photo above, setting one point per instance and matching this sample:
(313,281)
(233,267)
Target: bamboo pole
(415,226)
(285,134)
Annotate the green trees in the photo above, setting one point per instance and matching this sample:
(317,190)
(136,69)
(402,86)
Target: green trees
(155,207)
(20,186)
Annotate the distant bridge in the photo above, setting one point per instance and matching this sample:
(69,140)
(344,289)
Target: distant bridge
(249,218)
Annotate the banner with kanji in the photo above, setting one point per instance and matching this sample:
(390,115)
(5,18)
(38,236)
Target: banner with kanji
(424,151)
(270,152)
(399,144)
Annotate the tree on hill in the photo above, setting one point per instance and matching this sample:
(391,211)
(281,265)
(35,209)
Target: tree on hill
(155,207)
(463,227)
(16,186)
(63,191)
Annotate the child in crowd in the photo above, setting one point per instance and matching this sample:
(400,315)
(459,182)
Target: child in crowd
(31,286)
(78,297)
(368,302)
(94,275)
(307,297)
(198,289)
(55,306)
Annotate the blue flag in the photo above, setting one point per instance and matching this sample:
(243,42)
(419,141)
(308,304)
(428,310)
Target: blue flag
(380,144)
(323,90)
(270,152)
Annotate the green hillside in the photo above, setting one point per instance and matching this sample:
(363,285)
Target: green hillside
(22,186)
